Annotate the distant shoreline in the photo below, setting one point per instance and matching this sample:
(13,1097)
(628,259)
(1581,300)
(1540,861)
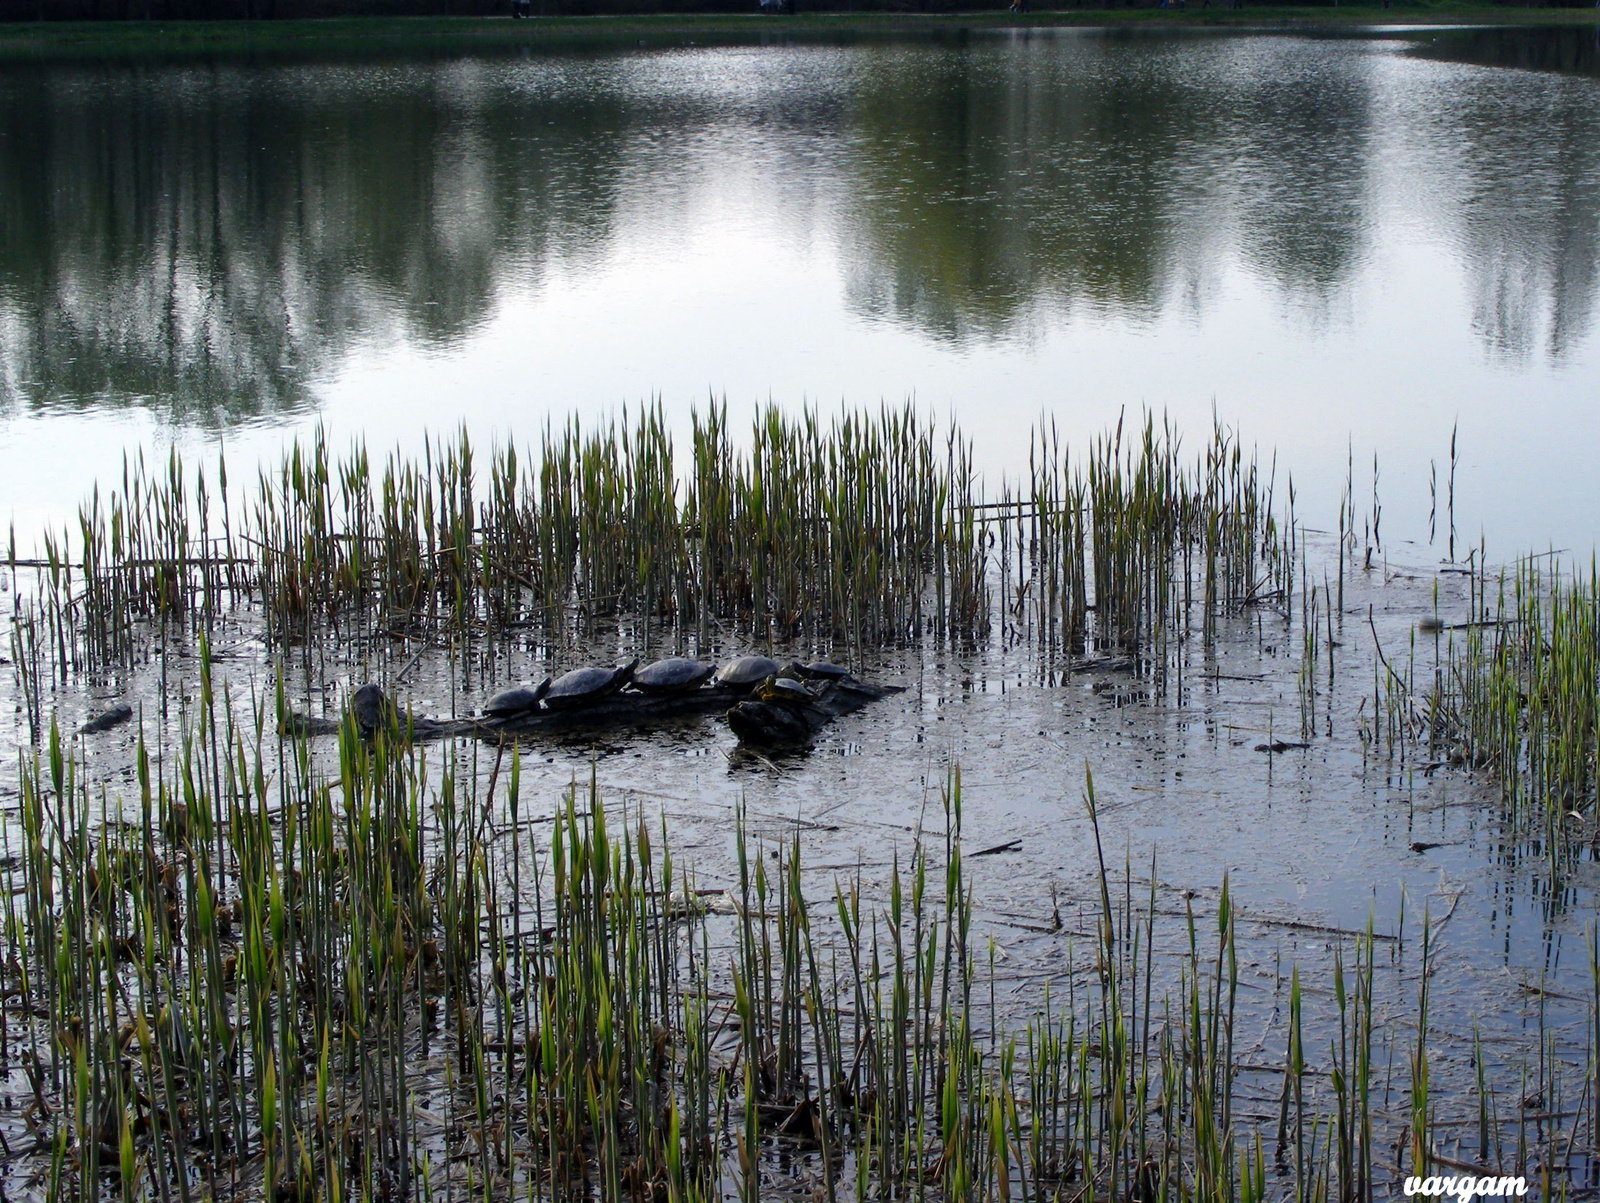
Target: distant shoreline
(47,40)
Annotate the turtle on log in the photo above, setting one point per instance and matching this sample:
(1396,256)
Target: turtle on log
(510,702)
(585,686)
(784,709)
(674,675)
(746,672)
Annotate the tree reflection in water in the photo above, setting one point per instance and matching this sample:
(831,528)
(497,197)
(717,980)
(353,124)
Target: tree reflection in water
(213,237)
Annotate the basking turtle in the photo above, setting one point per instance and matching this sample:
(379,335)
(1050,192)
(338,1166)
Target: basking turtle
(821,670)
(784,691)
(818,670)
(775,715)
(371,708)
(114,717)
(746,672)
(677,674)
(585,686)
(510,702)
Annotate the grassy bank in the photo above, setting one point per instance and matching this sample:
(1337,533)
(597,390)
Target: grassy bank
(422,34)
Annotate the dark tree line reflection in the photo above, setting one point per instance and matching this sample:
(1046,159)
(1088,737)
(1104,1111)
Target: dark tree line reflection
(212,238)
(216,237)
(1120,174)
(1098,173)
(1526,166)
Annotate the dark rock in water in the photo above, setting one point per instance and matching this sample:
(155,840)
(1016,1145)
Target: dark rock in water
(516,701)
(769,724)
(585,686)
(114,717)
(675,675)
(371,708)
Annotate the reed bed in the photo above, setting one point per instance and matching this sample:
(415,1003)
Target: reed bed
(263,976)
(1518,693)
(866,530)
(1134,545)
(853,530)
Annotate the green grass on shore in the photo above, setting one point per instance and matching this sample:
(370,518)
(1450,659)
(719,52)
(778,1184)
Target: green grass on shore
(412,34)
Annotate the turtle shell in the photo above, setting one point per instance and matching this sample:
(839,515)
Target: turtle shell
(821,670)
(746,672)
(582,686)
(370,707)
(516,701)
(677,674)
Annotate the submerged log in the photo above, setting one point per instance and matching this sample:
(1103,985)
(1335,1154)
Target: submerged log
(112,718)
(796,724)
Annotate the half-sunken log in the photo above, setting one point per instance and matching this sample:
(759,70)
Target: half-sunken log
(371,710)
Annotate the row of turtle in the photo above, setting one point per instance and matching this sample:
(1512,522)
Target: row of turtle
(675,676)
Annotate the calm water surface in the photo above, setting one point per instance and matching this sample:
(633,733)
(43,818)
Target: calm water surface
(1344,245)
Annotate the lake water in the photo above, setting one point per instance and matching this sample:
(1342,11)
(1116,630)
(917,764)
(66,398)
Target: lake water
(1344,245)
